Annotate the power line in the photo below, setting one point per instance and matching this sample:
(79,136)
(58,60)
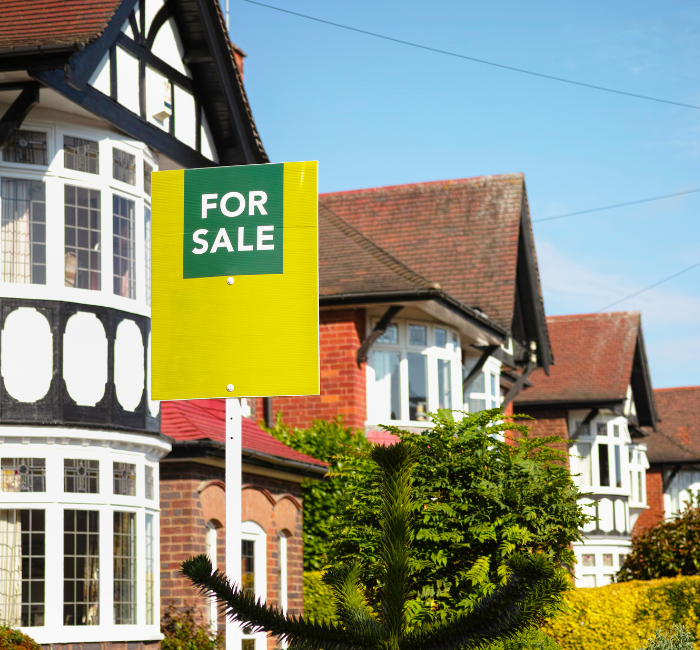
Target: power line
(651,286)
(474,59)
(617,205)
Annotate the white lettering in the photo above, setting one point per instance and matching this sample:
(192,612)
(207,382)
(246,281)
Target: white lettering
(257,199)
(241,245)
(197,239)
(222,241)
(262,237)
(232,195)
(206,205)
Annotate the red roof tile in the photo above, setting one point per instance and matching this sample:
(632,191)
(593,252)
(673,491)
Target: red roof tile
(462,234)
(594,354)
(205,419)
(53,22)
(678,433)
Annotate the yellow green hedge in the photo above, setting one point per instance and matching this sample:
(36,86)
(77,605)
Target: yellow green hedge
(318,597)
(623,616)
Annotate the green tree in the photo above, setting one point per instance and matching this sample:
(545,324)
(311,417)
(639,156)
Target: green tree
(483,502)
(186,629)
(668,549)
(531,584)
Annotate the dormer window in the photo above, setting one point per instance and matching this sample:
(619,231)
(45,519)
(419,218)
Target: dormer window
(27,148)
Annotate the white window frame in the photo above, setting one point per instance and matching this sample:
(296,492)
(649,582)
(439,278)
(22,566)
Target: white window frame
(452,352)
(251,531)
(492,368)
(211,549)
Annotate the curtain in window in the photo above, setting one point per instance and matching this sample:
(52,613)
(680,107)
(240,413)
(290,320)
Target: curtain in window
(10,568)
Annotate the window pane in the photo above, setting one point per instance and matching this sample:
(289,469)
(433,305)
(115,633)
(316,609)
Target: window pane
(81,155)
(124,568)
(444,384)
(147,171)
(476,404)
(618,467)
(27,147)
(587,581)
(23,231)
(621,558)
(494,385)
(82,238)
(387,387)
(616,430)
(81,566)
(603,465)
(124,246)
(440,338)
(248,566)
(602,428)
(633,497)
(585,428)
(124,479)
(640,483)
(147,235)
(82,476)
(23,475)
(417,335)
(588,560)
(22,567)
(607,559)
(149,482)
(583,463)
(417,387)
(150,571)
(391,334)
(479,384)
(123,166)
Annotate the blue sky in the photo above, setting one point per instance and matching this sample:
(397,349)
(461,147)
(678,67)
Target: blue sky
(379,113)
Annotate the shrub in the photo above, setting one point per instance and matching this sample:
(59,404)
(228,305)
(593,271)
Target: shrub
(670,548)
(318,598)
(11,639)
(186,629)
(681,639)
(626,615)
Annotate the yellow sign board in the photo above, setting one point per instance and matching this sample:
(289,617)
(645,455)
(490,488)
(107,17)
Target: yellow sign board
(234,282)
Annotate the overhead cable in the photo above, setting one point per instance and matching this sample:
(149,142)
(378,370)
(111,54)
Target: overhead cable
(474,59)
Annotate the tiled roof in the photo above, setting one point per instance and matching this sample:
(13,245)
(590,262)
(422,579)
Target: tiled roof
(677,437)
(53,22)
(462,234)
(594,356)
(206,420)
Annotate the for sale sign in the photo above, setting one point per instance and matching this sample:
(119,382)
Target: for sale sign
(234,281)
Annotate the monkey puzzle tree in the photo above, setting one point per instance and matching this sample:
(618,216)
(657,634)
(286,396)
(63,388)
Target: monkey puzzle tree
(534,585)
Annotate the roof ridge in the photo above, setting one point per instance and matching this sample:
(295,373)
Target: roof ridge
(596,314)
(659,390)
(377,252)
(515,175)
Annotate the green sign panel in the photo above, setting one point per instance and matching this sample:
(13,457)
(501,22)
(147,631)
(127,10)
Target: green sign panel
(233,221)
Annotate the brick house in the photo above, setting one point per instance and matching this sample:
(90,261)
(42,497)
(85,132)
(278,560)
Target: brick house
(193,517)
(673,451)
(598,398)
(429,298)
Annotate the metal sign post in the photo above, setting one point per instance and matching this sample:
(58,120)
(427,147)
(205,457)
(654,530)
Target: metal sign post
(233,509)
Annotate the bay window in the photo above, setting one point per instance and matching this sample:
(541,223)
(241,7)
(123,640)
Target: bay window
(484,392)
(413,370)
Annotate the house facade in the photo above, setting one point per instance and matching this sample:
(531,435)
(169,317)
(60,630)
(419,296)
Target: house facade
(673,451)
(429,298)
(598,399)
(93,98)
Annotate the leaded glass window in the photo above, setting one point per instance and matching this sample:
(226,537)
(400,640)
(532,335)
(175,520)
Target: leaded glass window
(147,171)
(22,567)
(123,166)
(23,236)
(150,571)
(124,568)
(81,476)
(26,147)
(81,155)
(82,237)
(81,567)
(150,491)
(248,566)
(125,479)
(124,247)
(23,474)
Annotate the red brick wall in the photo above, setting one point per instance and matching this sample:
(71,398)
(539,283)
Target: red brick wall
(548,423)
(655,500)
(343,384)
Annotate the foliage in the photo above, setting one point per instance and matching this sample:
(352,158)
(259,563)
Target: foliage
(670,548)
(679,639)
(318,598)
(326,441)
(482,501)
(186,629)
(527,640)
(11,639)
(532,585)
(626,615)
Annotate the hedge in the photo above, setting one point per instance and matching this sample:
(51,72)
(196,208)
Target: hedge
(318,597)
(623,616)
(11,639)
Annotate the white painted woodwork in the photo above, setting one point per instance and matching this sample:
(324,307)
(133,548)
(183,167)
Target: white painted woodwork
(128,80)
(605,515)
(588,507)
(26,358)
(85,358)
(620,517)
(207,146)
(100,79)
(128,365)
(155,96)
(152,8)
(185,120)
(153,405)
(168,47)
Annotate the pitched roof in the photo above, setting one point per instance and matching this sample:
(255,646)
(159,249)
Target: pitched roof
(595,354)
(677,438)
(206,420)
(462,234)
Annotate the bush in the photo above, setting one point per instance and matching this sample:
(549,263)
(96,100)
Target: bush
(626,615)
(670,548)
(681,639)
(11,639)
(318,598)
(186,629)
